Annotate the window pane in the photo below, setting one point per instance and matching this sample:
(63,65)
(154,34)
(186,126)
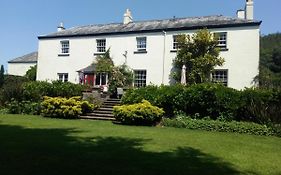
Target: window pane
(64,46)
(175,42)
(98,80)
(140,78)
(101,45)
(103,79)
(65,77)
(220,76)
(141,43)
(222,39)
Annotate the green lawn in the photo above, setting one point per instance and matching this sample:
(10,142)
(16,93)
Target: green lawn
(32,145)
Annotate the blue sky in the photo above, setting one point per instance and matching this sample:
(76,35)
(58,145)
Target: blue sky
(23,20)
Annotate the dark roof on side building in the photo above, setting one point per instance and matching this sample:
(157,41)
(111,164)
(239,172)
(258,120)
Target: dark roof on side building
(173,24)
(29,58)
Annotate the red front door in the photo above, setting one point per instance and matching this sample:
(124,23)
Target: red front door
(89,79)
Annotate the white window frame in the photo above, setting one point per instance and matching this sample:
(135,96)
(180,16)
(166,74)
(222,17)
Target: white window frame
(140,76)
(100,76)
(222,40)
(101,45)
(175,42)
(220,76)
(65,46)
(141,43)
(63,77)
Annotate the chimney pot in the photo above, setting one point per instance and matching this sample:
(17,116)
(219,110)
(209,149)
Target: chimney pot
(61,27)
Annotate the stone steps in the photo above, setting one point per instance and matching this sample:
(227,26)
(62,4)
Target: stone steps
(105,112)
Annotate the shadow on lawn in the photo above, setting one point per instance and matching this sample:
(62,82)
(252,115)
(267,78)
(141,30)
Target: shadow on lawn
(54,151)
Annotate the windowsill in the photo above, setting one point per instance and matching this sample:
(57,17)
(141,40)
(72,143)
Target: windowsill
(223,49)
(63,54)
(173,51)
(140,52)
(99,53)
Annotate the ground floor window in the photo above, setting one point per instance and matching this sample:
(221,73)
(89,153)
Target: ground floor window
(101,79)
(63,77)
(140,78)
(220,76)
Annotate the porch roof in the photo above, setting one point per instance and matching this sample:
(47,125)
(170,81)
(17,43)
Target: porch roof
(89,69)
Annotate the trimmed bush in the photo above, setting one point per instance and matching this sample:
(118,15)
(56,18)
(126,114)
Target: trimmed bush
(213,100)
(68,108)
(36,90)
(220,126)
(138,114)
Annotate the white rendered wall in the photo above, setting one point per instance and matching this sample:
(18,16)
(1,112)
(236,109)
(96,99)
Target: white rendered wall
(19,68)
(242,57)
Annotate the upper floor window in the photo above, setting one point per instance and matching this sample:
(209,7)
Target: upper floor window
(140,78)
(222,40)
(175,42)
(220,76)
(101,45)
(141,43)
(64,47)
(63,77)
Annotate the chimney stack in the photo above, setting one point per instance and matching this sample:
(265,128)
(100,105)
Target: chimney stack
(128,17)
(249,10)
(60,27)
(240,14)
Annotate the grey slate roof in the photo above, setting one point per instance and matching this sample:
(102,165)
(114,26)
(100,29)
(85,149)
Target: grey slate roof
(218,21)
(88,69)
(29,58)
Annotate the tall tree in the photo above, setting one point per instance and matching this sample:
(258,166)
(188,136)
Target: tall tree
(2,71)
(31,73)
(270,62)
(200,54)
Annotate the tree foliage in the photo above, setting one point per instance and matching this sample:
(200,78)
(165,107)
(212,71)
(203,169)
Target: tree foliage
(31,73)
(119,76)
(270,61)
(2,71)
(104,63)
(199,53)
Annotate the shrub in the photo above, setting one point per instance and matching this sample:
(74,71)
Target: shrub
(213,100)
(138,114)
(23,107)
(60,107)
(215,125)
(12,88)
(261,106)
(35,91)
(204,99)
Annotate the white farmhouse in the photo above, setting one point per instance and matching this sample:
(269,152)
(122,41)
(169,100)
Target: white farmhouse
(149,47)
(19,66)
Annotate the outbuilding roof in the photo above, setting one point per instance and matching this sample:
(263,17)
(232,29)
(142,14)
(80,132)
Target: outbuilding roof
(173,24)
(29,58)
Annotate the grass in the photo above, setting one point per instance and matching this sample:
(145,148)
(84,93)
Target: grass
(35,145)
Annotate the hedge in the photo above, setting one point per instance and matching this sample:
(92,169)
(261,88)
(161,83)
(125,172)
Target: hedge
(213,100)
(221,126)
